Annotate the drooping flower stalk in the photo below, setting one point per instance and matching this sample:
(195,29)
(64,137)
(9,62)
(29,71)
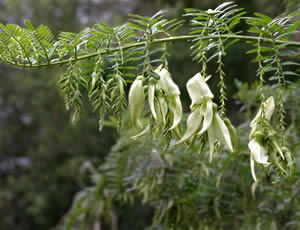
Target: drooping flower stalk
(265,144)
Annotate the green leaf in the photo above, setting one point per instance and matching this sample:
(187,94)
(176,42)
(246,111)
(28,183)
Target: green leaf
(154,75)
(264,17)
(29,25)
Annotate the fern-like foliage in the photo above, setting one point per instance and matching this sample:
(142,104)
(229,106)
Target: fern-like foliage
(218,22)
(70,84)
(274,54)
(187,192)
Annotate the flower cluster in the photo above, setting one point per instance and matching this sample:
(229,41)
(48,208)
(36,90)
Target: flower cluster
(166,110)
(204,118)
(265,145)
(164,102)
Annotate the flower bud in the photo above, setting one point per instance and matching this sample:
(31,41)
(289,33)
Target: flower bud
(136,101)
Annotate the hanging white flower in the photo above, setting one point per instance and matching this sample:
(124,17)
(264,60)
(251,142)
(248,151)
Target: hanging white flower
(203,116)
(258,155)
(173,94)
(136,102)
(269,107)
(198,89)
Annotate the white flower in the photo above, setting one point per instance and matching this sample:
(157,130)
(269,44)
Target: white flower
(166,83)
(198,90)
(218,131)
(203,110)
(172,92)
(193,124)
(136,101)
(207,112)
(221,131)
(258,154)
(269,107)
(151,95)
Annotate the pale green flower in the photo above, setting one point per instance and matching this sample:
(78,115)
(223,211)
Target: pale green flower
(207,112)
(258,151)
(172,92)
(176,110)
(136,102)
(151,96)
(264,142)
(203,116)
(269,107)
(193,124)
(221,131)
(218,131)
(258,154)
(166,83)
(198,90)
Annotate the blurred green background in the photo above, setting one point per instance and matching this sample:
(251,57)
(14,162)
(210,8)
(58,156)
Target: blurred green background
(42,155)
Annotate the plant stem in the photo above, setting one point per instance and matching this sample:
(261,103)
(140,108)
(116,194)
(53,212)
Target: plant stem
(155,41)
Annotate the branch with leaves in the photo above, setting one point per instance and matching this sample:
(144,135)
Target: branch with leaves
(103,60)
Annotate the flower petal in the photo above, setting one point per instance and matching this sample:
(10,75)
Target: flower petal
(252,165)
(208,116)
(211,141)
(176,109)
(258,152)
(144,132)
(151,92)
(166,83)
(163,107)
(221,131)
(269,107)
(198,89)
(136,101)
(193,124)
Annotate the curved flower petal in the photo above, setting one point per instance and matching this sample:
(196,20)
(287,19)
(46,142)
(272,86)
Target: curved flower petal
(163,107)
(252,165)
(232,133)
(151,92)
(166,83)
(221,131)
(208,116)
(176,109)
(136,101)
(211,141)
(144,132)
(258,152)
(193,124)
(198,89)
(269,107)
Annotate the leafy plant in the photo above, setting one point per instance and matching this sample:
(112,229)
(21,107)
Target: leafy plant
(102,61)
